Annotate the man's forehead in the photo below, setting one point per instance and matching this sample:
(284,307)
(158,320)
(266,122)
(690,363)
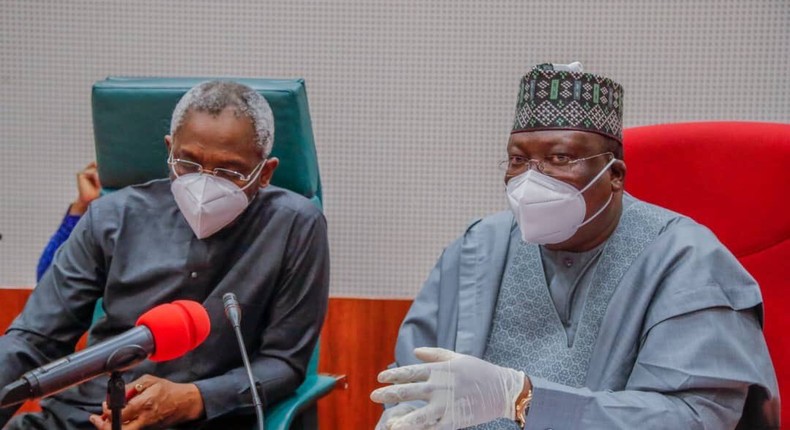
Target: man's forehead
(224,126)
(229,115)
(223,134)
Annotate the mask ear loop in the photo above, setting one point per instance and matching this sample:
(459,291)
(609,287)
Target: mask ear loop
(256,176)
(597,213)
(611,195)
(170,165)
(598,176)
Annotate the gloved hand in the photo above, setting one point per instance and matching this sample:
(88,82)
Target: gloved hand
(393,413)
(461,391)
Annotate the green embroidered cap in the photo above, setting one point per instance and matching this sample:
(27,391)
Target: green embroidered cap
(563,97)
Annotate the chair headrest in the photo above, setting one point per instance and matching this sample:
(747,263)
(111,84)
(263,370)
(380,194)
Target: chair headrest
(729,176)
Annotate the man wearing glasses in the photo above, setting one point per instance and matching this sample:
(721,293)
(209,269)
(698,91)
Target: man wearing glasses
(216,226)
(581,307)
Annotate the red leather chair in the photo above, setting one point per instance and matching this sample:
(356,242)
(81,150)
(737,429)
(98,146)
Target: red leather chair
(734,178)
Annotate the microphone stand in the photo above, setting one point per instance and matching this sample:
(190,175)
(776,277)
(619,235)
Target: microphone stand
(256,400)
(116,387)
(233,312)
(116,398)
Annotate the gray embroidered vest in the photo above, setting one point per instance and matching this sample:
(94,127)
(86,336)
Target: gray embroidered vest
(526,332)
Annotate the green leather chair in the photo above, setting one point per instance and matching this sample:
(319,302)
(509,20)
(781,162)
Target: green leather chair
(130,118)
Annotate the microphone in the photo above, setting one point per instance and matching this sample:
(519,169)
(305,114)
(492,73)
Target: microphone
(162,333)
(233,312)
(232,309)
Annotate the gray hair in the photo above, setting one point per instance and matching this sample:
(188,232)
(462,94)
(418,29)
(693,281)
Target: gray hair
(214,96)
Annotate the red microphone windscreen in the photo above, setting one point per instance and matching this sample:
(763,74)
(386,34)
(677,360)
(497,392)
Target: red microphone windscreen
(177,328)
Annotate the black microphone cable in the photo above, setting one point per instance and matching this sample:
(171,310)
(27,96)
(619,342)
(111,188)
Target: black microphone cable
(233,312)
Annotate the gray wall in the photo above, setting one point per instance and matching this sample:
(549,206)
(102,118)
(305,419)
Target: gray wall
(411,100)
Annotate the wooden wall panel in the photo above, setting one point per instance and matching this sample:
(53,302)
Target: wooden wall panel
(11,304)
(358,340)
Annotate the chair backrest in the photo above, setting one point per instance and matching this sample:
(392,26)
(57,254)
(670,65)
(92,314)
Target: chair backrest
(732,177)
(131,116)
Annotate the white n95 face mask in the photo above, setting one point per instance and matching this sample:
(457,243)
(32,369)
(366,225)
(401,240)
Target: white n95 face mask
(209,203)
(546,209)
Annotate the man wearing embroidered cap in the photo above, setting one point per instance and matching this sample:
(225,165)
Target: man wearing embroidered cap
(581,307)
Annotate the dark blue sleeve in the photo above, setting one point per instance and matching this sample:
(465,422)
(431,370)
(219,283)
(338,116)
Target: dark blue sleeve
(60,236)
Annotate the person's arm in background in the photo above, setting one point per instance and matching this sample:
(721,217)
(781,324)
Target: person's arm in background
(88,190)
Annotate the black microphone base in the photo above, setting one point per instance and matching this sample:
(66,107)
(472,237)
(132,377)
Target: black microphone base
(116,398)
(15,393)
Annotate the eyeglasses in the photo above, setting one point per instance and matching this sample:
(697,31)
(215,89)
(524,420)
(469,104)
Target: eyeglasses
(184,167)
(551,165)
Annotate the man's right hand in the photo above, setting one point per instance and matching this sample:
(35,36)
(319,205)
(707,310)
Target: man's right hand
(391,414)
(460,390)
(159,404)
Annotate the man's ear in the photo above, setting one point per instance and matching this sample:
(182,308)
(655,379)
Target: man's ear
(168,142)
(267,171)
(617,172)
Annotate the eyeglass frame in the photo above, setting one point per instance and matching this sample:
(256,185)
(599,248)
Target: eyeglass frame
(539,164)
(240,177)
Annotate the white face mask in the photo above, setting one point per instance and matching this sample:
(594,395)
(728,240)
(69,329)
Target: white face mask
(548,210)
(209,203)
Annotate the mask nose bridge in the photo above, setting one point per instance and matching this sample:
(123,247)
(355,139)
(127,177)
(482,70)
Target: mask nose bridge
(528,167)
(539,166)
(204,171)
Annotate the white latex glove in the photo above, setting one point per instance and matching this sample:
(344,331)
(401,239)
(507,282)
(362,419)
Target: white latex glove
(461,391)
(390,415)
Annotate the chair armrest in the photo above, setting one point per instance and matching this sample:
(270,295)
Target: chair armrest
(281,415)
